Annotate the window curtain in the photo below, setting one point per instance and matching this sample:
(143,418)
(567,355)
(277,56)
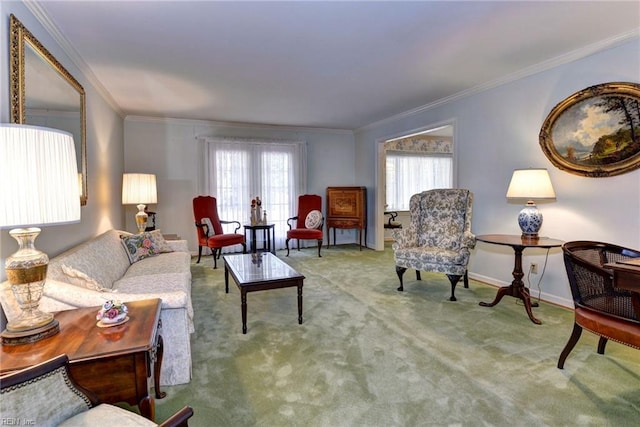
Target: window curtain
(235,171)
(409,173)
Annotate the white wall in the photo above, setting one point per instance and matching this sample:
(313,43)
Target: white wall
(104,147)
(168,148)
(497,131)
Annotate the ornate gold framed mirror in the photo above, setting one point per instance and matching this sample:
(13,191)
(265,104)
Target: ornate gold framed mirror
(43,93)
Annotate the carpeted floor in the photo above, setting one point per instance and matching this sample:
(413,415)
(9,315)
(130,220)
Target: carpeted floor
(367,355)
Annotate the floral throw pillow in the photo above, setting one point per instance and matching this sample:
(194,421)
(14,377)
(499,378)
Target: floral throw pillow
(158,240)
(313,219)
(140,246)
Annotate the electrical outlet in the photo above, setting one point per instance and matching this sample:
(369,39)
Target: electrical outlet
(533,268)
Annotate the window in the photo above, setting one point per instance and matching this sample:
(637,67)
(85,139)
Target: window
(409,173)
(236,171)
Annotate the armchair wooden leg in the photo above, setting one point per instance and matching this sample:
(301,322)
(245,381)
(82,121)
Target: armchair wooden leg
(453,278)
(199,254)
(319,246)
(244,248)
(287,245)
(573,339)
(602,343)
(215,257)
(466,279)
(400,271)
(418,276)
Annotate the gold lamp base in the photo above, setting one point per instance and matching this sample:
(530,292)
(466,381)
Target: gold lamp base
(27,272)
(19,337)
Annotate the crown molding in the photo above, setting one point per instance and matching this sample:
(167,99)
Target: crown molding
(196,122)
(49,26)
(525,72)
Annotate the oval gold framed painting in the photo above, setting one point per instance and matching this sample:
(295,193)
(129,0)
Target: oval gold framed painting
(595,132)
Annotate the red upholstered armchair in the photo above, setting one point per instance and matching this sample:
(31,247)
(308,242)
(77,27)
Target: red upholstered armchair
(309,221)
(209,228)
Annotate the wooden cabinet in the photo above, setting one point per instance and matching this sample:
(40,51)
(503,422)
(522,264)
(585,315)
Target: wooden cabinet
(346,209)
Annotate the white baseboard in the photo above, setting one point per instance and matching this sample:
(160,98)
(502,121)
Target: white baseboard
(552,299)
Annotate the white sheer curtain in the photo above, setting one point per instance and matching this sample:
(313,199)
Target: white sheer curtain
(237,170)
(409,173)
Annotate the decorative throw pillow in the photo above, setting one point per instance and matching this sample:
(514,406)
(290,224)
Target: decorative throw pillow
(139,246)
(160,242)
(78,278)
(209,224)
(313,219)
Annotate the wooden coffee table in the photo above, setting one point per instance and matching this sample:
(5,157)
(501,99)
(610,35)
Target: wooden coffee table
(260,272)
(114,363)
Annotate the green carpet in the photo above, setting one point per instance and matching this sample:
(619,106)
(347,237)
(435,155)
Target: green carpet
(367,355)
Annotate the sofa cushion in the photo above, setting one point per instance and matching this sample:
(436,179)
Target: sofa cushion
(101,258)
(78,278)
(174,262)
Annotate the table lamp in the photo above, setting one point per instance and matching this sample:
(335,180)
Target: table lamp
(39,182)
(531,184)
(139,189)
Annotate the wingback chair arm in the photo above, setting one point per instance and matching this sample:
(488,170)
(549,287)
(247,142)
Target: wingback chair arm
(405,238)
(469,240)
(232,222)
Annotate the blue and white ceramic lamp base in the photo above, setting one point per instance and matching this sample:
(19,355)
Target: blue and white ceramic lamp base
(530,221)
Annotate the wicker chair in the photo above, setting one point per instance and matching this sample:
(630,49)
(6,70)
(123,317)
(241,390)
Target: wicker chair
(599,306)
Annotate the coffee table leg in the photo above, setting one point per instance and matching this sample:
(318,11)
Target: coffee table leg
(300,304)
(157,366)
(226,278)
(243,306)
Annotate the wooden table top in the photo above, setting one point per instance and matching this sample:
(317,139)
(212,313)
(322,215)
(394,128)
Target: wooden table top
(514,240)
(81,338)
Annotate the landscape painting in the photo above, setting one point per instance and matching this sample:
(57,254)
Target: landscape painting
(595,132)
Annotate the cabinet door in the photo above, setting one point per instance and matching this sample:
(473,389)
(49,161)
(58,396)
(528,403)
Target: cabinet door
(345,203)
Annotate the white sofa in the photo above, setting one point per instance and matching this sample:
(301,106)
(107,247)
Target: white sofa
(99,270)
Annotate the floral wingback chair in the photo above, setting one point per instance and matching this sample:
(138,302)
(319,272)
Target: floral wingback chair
(439,236)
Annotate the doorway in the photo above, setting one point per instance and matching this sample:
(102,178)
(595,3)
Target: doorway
(430,144)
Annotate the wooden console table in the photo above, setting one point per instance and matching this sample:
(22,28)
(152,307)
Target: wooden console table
(114,363)
(518,244)
(346,209)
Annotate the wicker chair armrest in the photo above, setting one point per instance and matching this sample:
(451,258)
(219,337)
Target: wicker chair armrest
(179,419)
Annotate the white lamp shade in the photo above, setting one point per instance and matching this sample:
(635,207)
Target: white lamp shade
(530,184)
(139,188)
(38,177)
